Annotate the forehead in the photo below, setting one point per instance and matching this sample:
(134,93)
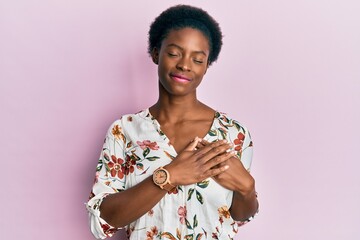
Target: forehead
(187,38)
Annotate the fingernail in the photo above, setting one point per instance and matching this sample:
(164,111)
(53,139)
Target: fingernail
(226,167)
(224,141)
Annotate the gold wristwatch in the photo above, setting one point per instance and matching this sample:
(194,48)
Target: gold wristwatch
(161,177)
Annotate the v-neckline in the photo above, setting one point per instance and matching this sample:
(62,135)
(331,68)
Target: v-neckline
(166,138)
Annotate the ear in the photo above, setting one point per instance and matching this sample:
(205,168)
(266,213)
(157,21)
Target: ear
(155,55)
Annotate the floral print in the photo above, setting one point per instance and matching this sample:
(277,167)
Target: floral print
(238,142)
(116,167)
(182,214)
(130,155)
(147,144)
(224,212)
(153,232)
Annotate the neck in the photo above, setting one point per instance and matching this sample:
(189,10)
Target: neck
(175,108)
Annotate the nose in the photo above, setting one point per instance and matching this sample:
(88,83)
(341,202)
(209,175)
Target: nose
(183,65)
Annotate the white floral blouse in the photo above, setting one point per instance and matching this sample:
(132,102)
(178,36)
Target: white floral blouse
(133,148)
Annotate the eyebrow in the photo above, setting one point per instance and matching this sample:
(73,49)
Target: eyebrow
(177,46)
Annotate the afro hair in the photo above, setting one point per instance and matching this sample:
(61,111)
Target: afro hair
(182,16)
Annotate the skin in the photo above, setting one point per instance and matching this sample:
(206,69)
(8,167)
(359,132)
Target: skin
(184,54)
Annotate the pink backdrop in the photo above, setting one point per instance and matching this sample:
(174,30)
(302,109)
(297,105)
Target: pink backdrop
(289,71)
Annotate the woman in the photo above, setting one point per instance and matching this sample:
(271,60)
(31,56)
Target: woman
(179,169)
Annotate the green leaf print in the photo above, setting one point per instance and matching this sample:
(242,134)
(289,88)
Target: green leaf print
(100,164)
(133,156)
(168,235)
(203,184)
(107,167)
(223,125)
(106,157)
(152,158)
(198,237)
(188,225)
(227,120)
(178,234)
(146,152)
(212,133)
(140,166)
(199,197)
(204,232)
(189,237)
(190,192)
(223,133)
(195,223)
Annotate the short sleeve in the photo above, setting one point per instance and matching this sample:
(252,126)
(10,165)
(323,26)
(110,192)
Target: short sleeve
(109,179)
(244,146)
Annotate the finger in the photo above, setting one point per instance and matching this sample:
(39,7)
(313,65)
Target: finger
(192,145)
(200,145)
(216,171)
(220,160)
(214,149)
(210,146)
(204,142)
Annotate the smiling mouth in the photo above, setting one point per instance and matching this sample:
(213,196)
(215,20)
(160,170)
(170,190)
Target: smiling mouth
(179,78)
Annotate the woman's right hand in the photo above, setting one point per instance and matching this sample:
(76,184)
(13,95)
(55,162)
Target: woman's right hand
(194,165)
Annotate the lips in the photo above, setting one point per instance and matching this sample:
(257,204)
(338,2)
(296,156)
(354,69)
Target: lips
(179,77)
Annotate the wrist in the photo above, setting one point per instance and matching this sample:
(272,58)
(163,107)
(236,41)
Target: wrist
(161,177)
(172,174)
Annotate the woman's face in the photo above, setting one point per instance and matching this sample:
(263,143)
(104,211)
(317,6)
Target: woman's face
(182,60)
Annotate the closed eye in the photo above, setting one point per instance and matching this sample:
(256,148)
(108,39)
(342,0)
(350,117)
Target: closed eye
(172,54)
(198,61)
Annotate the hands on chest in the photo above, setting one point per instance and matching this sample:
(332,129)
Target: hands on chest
(201,160)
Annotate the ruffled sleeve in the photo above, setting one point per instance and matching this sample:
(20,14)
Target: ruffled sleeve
(109,179)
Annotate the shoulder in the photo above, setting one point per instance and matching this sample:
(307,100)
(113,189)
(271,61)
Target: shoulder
(231,124)
(128,121)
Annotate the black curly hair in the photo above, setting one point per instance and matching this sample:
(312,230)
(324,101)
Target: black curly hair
(181,16)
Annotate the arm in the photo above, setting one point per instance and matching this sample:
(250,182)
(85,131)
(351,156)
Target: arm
(238,179)
(112,206)
(181,174)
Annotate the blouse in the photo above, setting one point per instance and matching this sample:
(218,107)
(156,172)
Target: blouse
(133,148)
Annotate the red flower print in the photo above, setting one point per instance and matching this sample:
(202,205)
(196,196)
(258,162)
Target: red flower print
(182,214)
(238,142)
(129,165)
(107,229)
(147,144)
(115,167)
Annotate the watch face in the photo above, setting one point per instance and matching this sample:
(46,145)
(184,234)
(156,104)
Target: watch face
(160,176)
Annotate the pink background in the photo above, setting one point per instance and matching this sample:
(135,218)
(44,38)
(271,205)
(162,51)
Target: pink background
(289,71)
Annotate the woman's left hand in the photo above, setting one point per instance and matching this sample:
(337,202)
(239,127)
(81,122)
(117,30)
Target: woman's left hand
(236,178)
